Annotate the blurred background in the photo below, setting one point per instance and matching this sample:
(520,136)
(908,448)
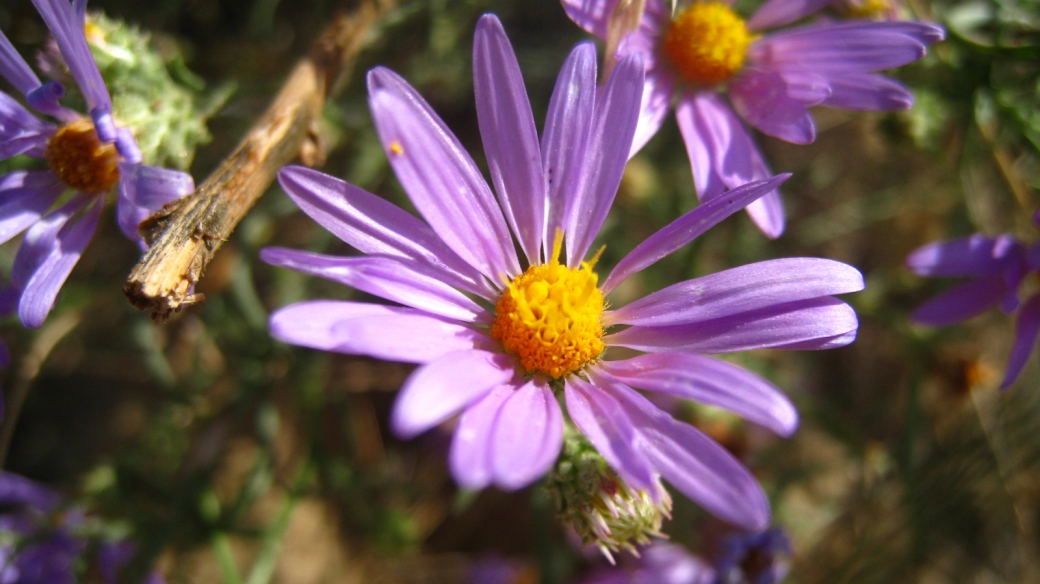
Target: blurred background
(229,457)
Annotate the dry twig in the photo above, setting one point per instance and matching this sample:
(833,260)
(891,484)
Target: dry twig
(184,235)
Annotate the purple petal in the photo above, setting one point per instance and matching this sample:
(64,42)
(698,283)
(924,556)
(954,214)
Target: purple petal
(967,257)
(386,277)
(658,89)
(16,120)
(439,389)
(606,424)
(722,154)
(610,141)
(789,325)
(1027,331)
(45,99)
(375,226)
(566,133)
(962,302)
(868,92)
(527,436)
(509,134)
(591,15)
(775,13)
(693,463)
(739,290)
(469,458)
(18,491)
(33,144)
(687,228)
(126,146)
(712,382)
(48,253)
(374,330)
(24,197)
(67,27)
(843,47)
(143,190)
(1033,254)
(440,177)
(761,98)
(14,69)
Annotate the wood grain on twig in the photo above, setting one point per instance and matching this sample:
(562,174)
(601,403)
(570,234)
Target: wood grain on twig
(184,235)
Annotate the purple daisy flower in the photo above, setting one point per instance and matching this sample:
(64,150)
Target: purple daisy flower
(47,547)
(770,80)
(89,155)
(499,342)
(753,558)
(996,267)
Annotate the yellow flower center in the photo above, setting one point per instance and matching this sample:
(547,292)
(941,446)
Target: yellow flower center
(81,160)
(550,317)
(707,43)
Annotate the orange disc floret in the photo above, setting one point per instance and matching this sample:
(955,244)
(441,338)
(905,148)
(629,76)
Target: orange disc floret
(549,316)
(81,160)
(707,43)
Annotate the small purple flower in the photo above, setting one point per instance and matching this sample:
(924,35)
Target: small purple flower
(770,79)
(996,267)
(501,343)
(89,155)
(47,542)
(659,563)
(753,558)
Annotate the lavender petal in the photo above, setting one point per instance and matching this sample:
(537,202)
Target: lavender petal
(14,69)
(24,197)
(440,177)
(687,228)
(566,133)
(591,15)
(49,252)
(843,47)
(375,226)
(711,382)
(868,92)
(394,279)
(606,424)
(610,142)
(761,98)
(509,134)
(962,302)
(776,13)
(437,390)
(1027,331)
(66,24)
(373,330)
(143,190)
(693,463)
(722,154)
(469,457)
(967,257)
(794,324)
(740,290)
(527,436)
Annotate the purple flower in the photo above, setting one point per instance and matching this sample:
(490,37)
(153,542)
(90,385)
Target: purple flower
(48,541)
(753,558)
(996,267)
(659,563)
(89,155)
(499,342)
(770,80)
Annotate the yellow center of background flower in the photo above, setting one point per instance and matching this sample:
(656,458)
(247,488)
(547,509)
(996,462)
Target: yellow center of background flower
(707,43)
(869,8)
(81,160)
(550,317)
